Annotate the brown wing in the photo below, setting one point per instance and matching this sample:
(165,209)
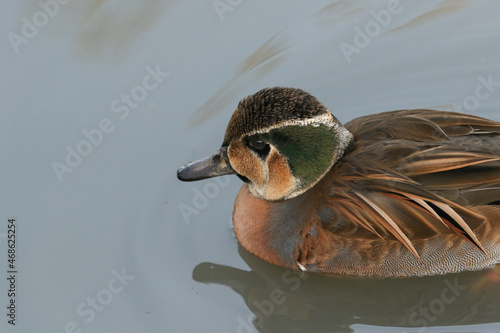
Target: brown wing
(416,173)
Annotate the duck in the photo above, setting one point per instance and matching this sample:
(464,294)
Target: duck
(400,193)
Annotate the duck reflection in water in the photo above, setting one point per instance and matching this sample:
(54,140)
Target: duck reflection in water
(285,300)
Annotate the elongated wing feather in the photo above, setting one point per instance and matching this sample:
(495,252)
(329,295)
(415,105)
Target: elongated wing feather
(419,173)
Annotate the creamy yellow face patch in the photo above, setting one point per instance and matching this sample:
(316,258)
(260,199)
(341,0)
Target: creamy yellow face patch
(280,182)
(246,163)
(270,179)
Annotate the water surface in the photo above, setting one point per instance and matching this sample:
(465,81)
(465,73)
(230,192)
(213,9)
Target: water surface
(104,100)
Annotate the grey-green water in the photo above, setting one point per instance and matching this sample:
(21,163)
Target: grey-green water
(102,100)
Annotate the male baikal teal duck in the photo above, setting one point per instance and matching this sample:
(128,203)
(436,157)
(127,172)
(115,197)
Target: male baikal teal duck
(411,192)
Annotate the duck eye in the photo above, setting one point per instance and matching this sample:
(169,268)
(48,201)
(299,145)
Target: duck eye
(257,144)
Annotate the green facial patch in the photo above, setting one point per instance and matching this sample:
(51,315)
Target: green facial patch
(309,149)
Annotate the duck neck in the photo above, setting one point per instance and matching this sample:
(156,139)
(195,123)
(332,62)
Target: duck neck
(271,230)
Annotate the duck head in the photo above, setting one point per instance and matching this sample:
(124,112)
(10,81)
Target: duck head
(280,141)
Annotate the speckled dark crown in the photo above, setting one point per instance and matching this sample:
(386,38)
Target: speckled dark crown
(271,106)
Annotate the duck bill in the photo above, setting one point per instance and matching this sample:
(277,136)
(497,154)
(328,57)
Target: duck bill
(211,166)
